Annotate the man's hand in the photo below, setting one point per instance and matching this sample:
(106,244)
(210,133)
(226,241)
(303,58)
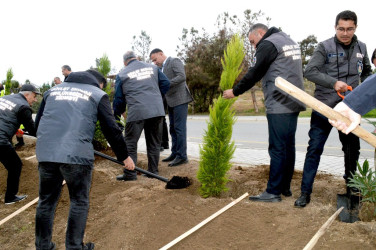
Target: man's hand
(128,163)
(340,86)
(349,113)
(228,94)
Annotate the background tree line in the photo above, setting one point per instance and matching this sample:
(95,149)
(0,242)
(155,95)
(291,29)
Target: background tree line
(201,53)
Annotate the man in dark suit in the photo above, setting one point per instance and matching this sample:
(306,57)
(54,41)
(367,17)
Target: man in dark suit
(177,99)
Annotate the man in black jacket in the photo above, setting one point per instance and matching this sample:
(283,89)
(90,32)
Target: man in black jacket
(276,55)
(65,128)
(14,111)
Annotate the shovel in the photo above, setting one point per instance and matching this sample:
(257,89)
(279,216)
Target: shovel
(349,201)
(176,182)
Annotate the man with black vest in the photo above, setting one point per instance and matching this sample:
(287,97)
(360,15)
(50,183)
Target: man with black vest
(140,86)
(276,55)
(65,128)
(337,63)
(14,111)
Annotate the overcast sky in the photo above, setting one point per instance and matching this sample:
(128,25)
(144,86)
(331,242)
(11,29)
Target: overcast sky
(38,37)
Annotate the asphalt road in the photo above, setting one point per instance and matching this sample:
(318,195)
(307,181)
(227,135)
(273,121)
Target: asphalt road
(252,132)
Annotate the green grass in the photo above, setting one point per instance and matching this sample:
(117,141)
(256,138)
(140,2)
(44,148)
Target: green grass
(371,114)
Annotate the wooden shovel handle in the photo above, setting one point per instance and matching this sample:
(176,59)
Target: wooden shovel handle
(323,109)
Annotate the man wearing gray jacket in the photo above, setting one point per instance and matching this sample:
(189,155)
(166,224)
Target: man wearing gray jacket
(337,63)
(177,99)
(140,86)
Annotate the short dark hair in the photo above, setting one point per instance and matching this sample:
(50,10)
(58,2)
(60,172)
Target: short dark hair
(347,15)
(373,55)
(100,78)
(66,67)
(156,50)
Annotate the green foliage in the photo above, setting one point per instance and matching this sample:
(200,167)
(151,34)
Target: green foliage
(365,181)
(233,58)
(202,55)
(141,46)
(217,149)
(8,81)
(99,141)
(307,47)
(104,65)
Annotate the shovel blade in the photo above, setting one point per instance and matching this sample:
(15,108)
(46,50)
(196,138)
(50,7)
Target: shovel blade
(350,203)
(178,182)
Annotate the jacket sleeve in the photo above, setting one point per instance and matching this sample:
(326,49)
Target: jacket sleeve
(363,98)
(119,103)
(265,55)
(178,68)
(315,65)
(111,130)
(164,83)
(39,114)
(25,117)
(367,69)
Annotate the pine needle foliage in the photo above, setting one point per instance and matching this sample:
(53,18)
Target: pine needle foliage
(217,149)
(8,82)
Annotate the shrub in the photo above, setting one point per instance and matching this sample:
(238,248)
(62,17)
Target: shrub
(365,181)
(217,149)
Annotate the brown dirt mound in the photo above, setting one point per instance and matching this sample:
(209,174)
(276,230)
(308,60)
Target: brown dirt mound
(144,215)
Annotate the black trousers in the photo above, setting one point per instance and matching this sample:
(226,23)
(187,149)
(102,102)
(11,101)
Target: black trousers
(13,163)
(153,132)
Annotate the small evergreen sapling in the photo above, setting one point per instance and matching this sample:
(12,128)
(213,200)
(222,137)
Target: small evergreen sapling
(217,149)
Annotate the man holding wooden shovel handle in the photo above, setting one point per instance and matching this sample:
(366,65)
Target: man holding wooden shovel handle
(355,104)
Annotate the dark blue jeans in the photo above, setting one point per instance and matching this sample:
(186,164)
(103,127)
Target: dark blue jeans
(13,163)
(178,130)
(318,134)
(282,128)
(78,179)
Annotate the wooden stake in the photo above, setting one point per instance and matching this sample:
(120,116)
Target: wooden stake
(203,223)
(322,230)
(323,109)
(21,209)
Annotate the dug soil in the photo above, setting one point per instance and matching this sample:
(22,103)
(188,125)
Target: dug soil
(143,214)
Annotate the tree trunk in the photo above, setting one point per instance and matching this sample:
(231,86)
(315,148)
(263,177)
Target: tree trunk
(253,91)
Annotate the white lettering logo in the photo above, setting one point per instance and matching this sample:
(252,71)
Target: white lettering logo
(6,104)
(292,51)
(70,94)
(141,74)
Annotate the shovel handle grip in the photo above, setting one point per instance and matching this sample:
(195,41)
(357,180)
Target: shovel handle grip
(136,168)
(323,109)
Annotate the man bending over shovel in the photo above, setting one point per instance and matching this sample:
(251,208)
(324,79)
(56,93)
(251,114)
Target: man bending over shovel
(65,128)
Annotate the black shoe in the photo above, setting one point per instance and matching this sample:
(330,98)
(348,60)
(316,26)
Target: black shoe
(161,149)
(287,193)
(88,246)
(303,200)
(16,198)
(165,146)
(177,161)
(170,158)
(19,145)
(126,178)
(266,197)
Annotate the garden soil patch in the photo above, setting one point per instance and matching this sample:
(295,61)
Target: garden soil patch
(144,215)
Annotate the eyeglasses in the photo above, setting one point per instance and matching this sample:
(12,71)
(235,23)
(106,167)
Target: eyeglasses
(348,30)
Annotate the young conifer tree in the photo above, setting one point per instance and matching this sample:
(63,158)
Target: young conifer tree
(217,149)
